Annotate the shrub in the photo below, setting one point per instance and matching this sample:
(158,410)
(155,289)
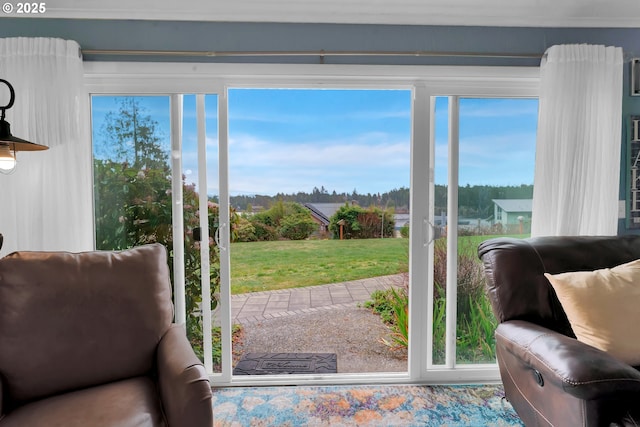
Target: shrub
(133,207)
(392,305)
(380,303)
(264,217)
(264,232)
(360,223)
(478,326)
(404,231)
(400,319)
(439,330)
(288,220)
(471,281)
(475,320)
(237,332)
(246,230)
(298,226)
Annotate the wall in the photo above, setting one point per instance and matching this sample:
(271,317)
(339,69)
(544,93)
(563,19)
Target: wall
(203,36)
(630,106)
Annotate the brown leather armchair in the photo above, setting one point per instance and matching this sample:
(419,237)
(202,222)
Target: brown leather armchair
(86,339)
(549,377)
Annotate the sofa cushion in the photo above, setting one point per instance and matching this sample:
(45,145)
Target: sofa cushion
(602,307)
(74,320)
(132,402)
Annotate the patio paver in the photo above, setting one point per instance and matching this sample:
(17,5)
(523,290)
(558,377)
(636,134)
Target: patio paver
(256,306)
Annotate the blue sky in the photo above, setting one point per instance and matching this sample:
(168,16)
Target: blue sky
(497,141)
(290,140)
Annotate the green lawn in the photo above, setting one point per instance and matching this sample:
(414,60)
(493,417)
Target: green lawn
(470,244)
(260,266)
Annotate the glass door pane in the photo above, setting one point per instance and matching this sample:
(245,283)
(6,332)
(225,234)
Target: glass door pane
(440,197)
(491,155)
(496,168)
(201,200)
(132,172)
(134,196)
(320,182)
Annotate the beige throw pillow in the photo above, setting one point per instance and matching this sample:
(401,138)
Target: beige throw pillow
(603,307)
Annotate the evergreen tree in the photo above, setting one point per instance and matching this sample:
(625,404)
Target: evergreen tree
(131,136)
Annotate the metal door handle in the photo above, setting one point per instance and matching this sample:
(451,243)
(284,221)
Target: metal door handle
(428,232)
(217,237)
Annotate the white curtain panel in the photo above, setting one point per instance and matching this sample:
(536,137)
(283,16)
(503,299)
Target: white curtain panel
(577,172)
(46,203)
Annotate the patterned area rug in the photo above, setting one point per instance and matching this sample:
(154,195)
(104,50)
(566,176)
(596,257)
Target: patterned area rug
(474,405)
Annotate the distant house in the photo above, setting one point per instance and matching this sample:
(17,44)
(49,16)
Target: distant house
(322,213)
(512,212)
(401,219)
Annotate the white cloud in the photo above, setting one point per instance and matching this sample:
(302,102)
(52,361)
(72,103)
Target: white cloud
(506,159)
(370,163)
(280,117)
(498,108)
(370,150)
(490,108)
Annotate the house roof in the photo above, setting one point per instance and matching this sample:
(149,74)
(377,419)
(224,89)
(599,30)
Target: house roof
(323,211)
(514,205)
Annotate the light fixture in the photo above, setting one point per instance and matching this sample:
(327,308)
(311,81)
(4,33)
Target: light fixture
(7,158)
(10,144)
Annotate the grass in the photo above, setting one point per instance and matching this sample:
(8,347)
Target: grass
(265,266)
(470,243)
(261,266)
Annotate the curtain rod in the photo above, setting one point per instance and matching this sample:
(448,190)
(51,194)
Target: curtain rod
(320,53)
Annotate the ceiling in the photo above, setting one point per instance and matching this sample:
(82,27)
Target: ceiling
(511,13)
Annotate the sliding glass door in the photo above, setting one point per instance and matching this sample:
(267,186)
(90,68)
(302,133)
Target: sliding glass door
(261,184)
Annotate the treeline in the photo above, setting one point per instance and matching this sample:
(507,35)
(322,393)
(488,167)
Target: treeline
(397,198)
(474,201)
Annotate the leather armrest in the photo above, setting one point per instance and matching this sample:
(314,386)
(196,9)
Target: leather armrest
(577,368)
(184,386)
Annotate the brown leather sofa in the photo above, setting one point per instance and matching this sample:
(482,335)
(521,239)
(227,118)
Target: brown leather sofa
(549,377)
(87,340)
